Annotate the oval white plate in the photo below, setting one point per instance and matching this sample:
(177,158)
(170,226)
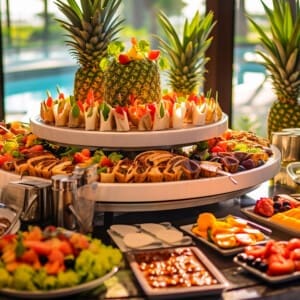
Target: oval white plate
(84,287)
(131,139)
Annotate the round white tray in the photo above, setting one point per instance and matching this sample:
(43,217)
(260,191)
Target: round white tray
(118,197)
(197,190)
(131,139)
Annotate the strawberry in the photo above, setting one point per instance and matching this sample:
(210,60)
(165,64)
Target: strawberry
(106,162)
(124,59)
(153,54)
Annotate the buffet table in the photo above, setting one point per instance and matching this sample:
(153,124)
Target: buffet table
(242,285)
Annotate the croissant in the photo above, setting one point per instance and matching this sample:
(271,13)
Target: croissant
(172,172)
(121,169)
(140,171)
(63,167)
(34,161)
(155,174)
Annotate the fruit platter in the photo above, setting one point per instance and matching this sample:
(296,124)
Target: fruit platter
(279,212)
(53,262)
(274,262)
(228,235)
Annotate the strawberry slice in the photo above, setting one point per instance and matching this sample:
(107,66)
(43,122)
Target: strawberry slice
(153,54)
(124,59)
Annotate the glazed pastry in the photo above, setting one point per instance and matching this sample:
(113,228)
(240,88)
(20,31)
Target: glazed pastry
(34,161)
(63,167)
(121,169)
(172,171)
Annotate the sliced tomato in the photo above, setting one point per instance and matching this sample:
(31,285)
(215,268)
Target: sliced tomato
(295,254)
(293,243)
(278,265)
(297,265)
(255,250)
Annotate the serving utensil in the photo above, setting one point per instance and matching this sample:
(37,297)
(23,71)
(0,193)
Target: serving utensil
(213,167)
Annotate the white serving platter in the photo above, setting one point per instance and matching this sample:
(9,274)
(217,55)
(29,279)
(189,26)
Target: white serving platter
(179,292)
(188,189)
(249,211)
(116,197)
(263,275)
(118,237)
(131,139)
(58,293)
(223,251)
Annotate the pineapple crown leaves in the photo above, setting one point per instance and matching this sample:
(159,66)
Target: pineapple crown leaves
(281,54)
(90,27)
(186,56)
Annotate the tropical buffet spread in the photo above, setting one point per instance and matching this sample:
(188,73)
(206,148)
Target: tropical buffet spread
(142,149)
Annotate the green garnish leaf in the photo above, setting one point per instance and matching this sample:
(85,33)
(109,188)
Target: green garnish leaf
(105,109)
(144,46)
(75,111)
(161,110)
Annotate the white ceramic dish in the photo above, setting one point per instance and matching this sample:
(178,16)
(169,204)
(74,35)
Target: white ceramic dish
(179,291)
(120,233)
(225,252)
(264,276)
(187,189)
(197,192)
(52,294)
(131,139)
(249,211)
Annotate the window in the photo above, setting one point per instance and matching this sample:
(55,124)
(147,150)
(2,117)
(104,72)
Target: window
(36,60)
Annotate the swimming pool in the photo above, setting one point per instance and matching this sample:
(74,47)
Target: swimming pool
(23,95)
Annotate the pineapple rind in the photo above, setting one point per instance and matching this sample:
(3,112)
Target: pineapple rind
(283,115)
(138,78)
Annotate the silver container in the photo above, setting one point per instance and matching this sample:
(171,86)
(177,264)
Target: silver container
(32,197)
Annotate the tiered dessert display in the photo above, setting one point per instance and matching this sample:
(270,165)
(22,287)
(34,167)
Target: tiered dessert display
(169,148)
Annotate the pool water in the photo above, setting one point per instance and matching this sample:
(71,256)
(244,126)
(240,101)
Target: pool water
(23,96)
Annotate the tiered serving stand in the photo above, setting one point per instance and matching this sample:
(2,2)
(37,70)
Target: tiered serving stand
(125,197)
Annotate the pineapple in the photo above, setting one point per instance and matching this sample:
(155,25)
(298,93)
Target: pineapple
(282,59)
(90,27)
(186,56)
(133,75)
